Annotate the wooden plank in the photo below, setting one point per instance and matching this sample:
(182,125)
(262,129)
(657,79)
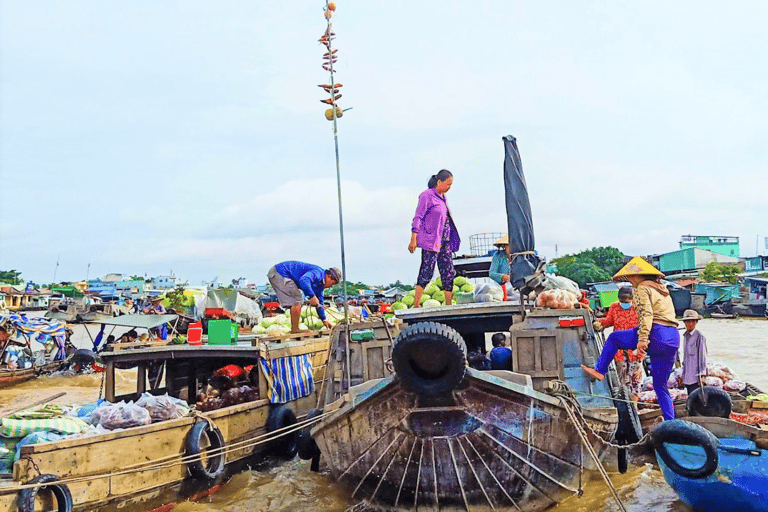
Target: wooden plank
(288,337)
(117,347)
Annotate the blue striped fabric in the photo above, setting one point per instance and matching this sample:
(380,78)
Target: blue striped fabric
(288,378)
(45,328)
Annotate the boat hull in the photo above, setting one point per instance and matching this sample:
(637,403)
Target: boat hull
(499,444)
(9,378)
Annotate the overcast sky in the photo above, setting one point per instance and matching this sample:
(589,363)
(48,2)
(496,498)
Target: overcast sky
(145,137)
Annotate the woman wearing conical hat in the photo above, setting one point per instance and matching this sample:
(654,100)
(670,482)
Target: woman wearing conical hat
(657,332)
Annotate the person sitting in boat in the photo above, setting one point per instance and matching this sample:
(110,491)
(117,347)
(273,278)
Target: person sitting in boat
(499,270)
(622,316)
(694,352)
(290,278)
(433,230)
(501,355)
(130,306)
(155,308)
(657,331)
(129,336)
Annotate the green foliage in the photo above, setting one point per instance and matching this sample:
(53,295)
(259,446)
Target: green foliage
(353,289)
(10,277)
(177,300)
(590,266)
(398,284)
(721,273)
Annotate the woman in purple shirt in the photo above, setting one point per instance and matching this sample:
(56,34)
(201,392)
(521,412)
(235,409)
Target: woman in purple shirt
(434,231)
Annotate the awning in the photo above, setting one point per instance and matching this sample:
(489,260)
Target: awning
(140,321)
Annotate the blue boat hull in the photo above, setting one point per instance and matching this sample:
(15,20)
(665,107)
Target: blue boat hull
(740,482)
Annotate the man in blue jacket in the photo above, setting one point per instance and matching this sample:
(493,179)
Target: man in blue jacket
(290,278)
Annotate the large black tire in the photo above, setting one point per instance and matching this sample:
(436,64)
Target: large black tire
(686,433)
(306,444)
(60,492)
(429,358)
(718,403)
(285,446)
(629,430)
(85,356)
(192,446)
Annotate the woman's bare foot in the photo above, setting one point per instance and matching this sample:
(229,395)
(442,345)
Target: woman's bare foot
(592,372)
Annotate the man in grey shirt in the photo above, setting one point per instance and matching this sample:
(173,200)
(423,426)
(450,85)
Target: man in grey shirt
(694,351)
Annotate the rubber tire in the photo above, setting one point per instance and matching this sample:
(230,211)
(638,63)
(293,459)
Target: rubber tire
(686,433)
(307,447)
(629,429)
(83,355)
(719,403)
(60,491)
(215,465)
(442,355)
(287,445)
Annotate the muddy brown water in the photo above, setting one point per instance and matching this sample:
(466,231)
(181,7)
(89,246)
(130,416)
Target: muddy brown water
(291,486)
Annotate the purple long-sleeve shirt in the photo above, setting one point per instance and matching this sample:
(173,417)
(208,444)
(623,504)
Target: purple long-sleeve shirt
(429,221)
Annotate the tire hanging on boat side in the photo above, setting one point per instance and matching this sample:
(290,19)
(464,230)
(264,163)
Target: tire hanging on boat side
(718,403)
(429,358)
(61,492)
(307,447)
(629,430)
(285,446)
(214,466)
(690,434)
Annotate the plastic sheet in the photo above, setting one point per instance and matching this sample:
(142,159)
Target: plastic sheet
(160,408)
(121,415)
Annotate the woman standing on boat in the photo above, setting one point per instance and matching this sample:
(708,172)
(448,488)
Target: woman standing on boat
(434,231)
(657,332)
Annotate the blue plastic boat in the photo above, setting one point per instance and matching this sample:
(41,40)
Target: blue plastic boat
(712,474)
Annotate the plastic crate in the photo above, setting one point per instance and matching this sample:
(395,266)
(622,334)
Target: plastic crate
(365,335)
(222,332)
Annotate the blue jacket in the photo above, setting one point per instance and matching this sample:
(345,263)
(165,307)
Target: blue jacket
(499,266)
(309,278)
(501,358)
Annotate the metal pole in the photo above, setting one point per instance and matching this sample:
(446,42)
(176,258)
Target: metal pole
(338,186)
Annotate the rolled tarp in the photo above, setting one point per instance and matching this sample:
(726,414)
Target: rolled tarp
(523,263)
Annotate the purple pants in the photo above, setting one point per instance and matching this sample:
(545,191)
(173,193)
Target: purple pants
(664,343)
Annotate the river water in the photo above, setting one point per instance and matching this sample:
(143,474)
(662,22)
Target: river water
(291,486)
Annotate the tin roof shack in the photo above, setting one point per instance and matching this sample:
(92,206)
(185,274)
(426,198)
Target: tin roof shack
(692,259)
(718,292)
(756,264)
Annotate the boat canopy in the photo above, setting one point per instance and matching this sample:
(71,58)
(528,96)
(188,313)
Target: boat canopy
(526,268)
(137,321)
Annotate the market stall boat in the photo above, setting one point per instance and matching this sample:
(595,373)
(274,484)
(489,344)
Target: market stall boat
(714,464)
(438,434)
(151,465)
(43,330)
(76,311)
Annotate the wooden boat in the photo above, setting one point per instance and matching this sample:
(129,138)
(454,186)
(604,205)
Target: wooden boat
(437,434)
(714,464)
(144,466)
(10,378)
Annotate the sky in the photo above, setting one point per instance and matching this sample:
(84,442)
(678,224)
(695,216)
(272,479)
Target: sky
(145,138)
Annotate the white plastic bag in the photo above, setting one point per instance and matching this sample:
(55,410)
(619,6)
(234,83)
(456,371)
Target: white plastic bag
(488,292)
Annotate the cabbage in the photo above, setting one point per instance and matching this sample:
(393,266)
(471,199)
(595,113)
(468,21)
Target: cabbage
(456,289)
(439,296)
(439,282)
(460,281)
(281,320)
(432,303)
(425,296)
(468,288)
(259,329)
(267,322)
(277,330)
(399,305)
(408,300)
(303,327)
(430,289)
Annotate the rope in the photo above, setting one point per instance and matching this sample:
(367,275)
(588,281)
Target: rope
(169,462)
(568,406)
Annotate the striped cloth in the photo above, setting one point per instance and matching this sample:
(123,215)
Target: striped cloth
(22,428)
(44,328)
(288,378)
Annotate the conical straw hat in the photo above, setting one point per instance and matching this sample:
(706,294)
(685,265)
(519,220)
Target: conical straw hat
(637,266)
(504,240)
